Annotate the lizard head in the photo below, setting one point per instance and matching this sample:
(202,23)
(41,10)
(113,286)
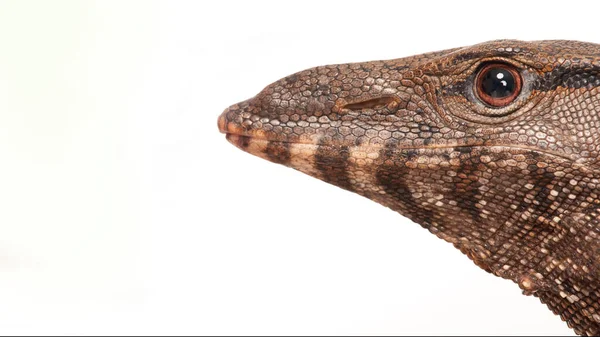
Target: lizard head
(437,117)
(492,147)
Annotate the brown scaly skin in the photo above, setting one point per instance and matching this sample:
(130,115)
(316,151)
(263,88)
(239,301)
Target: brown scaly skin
(516,189)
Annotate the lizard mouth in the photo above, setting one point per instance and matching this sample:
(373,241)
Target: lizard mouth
(239,136)
(256,142)
(236,136)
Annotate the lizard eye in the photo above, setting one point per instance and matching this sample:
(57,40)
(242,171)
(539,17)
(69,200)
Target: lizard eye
(498,84)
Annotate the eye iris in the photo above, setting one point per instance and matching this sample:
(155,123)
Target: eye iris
(498,83)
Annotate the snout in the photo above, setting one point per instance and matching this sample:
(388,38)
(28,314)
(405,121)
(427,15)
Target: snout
(239,119)
(222,123)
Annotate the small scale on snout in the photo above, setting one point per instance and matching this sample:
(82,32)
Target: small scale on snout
(493,148)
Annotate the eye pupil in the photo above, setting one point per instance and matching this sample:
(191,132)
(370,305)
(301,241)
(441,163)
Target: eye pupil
(498,84)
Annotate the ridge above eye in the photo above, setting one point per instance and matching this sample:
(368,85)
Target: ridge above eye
(498,84)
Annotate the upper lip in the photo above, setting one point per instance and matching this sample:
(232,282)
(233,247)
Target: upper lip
(230,128)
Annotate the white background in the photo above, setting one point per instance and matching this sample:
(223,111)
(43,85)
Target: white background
(123,210)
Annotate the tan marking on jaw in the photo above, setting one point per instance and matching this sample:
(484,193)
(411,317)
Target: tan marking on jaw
(362,159)
(302,158)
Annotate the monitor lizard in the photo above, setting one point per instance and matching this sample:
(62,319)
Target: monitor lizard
(493,148)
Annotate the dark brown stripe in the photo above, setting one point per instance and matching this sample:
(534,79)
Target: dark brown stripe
(572,77)
(455,89)
(278,152)
(243,141)
(541,179)
(394,178)
(569,77)
(332,163)
(465,190)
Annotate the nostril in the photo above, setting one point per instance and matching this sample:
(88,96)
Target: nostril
(373,103)
(372,106)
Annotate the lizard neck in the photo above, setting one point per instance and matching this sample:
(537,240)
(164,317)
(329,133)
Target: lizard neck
(515,228)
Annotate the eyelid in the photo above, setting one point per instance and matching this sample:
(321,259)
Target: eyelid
(463,104)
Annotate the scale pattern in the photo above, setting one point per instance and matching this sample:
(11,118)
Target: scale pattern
(516,189)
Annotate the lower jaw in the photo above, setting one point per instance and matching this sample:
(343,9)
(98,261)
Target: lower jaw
(241,142)
(300,156)
(272,150)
